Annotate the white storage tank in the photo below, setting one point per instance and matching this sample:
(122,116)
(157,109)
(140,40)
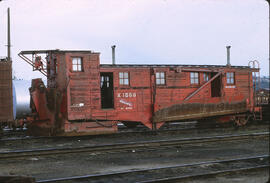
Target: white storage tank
(21,98)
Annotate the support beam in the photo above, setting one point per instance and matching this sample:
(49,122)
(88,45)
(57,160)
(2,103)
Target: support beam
(31,62)
(204,85)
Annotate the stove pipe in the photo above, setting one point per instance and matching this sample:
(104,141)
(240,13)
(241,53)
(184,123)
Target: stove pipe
(228,55)
(113,54)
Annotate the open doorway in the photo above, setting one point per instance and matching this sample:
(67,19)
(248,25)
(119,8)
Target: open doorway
(216,85)
(106,85)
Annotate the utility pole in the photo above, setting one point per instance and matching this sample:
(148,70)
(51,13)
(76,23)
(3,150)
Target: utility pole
(269,68)
(8,36)
(269,41)
(269,36)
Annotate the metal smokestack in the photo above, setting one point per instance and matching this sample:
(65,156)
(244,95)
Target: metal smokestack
(113,54)
(228,55)
(8,36)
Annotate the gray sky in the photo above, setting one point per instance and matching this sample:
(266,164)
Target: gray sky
(144,31)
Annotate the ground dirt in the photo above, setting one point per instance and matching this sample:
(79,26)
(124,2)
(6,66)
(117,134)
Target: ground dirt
(47,167)
(66,165)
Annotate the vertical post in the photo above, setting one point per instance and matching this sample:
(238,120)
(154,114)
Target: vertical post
(153,96)
(269,66)
(8,36)
(113,54)
(228,56)
(9,60)
(269,50)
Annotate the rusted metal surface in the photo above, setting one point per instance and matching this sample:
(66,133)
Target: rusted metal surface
(198,110)
(45,105)
(262,102)
(89,98)
(262,96)
(6,98)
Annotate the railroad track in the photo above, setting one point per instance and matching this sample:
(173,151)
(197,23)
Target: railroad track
(129,146)
(172,173)
(184,126)
(189,127)
(11,133)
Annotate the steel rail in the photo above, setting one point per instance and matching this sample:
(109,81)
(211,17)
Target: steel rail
(124,131)
(120,133)
(261,160)
(201,175)
(129,145)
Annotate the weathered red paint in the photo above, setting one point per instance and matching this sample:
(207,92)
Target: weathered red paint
(72,103)
(6,97)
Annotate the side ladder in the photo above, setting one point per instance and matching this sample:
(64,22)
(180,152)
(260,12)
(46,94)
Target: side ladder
(257,109)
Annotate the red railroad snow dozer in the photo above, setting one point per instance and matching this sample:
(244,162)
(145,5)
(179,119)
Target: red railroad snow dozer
(85,97)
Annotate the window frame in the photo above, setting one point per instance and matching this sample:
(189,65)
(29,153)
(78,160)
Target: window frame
(193,79)
(206,76)
(230,76)
(77,64)
(124,78)
(160,78)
